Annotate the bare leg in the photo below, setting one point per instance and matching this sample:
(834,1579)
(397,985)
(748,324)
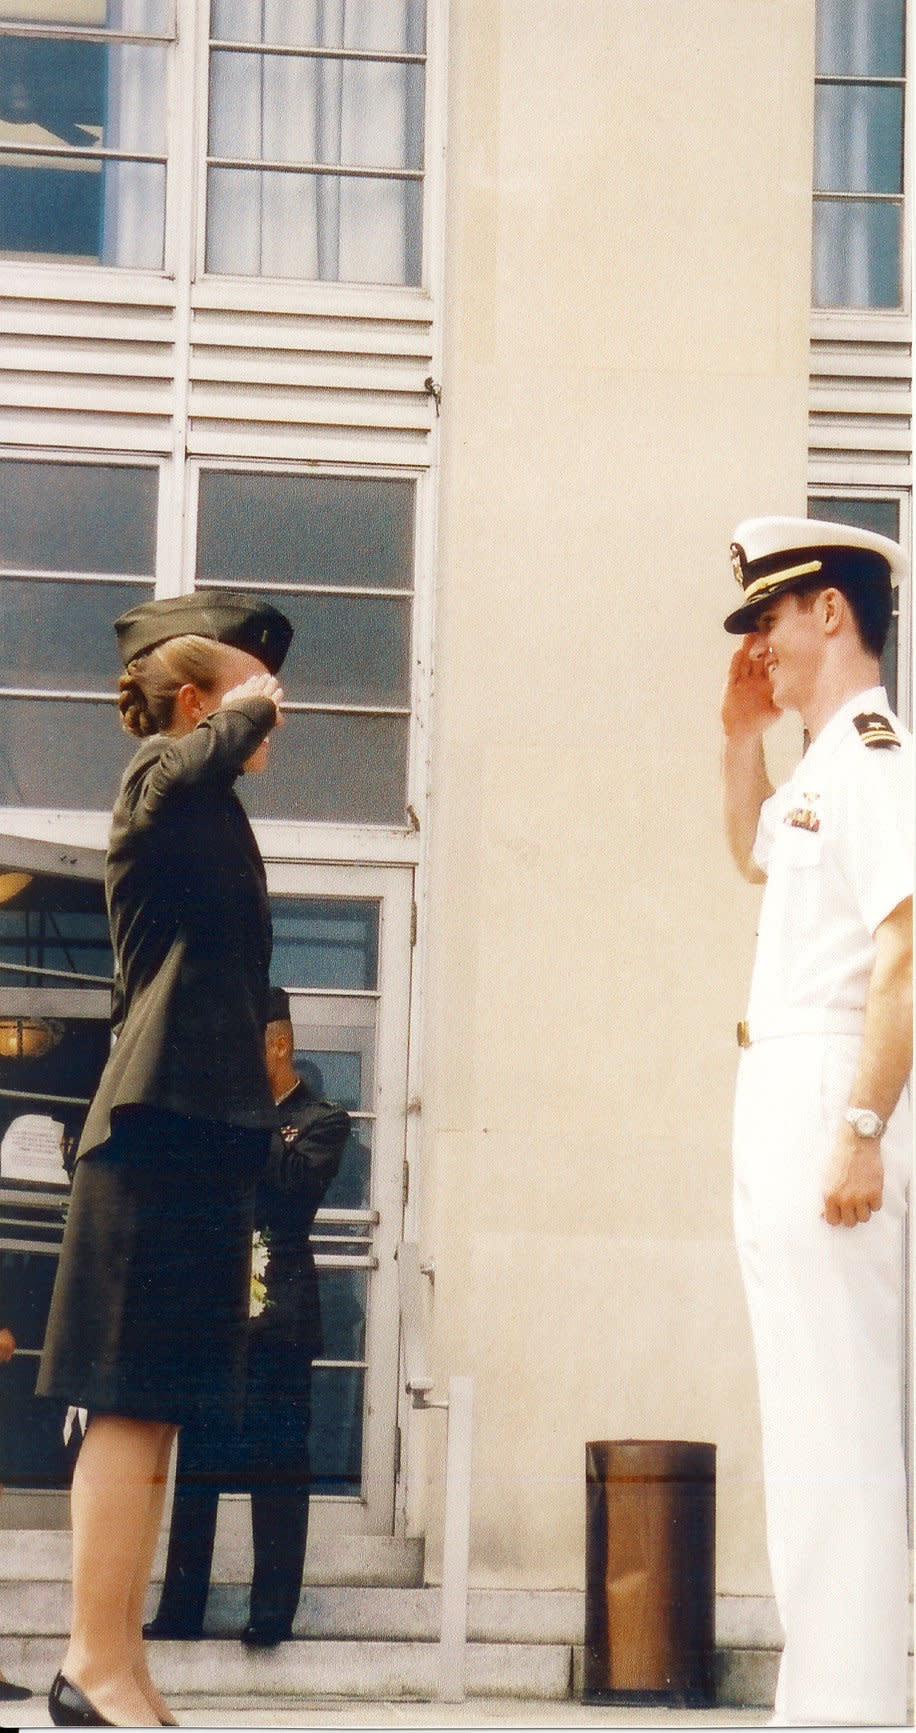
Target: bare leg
(113,1486)
(141,1583)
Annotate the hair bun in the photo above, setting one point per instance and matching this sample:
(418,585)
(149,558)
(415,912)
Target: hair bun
(136,716)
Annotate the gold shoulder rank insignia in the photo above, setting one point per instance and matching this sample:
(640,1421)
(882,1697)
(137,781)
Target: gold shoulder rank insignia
(876,730)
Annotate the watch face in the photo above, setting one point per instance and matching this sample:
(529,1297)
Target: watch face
(867,1124)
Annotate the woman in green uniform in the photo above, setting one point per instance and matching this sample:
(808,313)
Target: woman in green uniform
(147,1327)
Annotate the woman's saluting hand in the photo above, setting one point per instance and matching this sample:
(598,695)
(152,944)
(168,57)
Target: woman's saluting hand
(256,686)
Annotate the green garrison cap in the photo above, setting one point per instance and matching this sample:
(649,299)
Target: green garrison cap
(278,1005)
(224,615)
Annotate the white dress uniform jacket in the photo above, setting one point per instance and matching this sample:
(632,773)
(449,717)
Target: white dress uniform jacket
(827,1303)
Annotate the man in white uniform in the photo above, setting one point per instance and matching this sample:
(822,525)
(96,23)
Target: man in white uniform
(822,1134)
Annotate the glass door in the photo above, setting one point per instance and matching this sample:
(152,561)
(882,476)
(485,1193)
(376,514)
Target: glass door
(342,951)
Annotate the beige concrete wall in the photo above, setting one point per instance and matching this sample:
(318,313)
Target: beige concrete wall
(625,378)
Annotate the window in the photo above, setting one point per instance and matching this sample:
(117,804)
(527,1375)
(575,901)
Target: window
(882,516)
(77,547)
(83,131)
(316,130)
(336,554)
(858,154)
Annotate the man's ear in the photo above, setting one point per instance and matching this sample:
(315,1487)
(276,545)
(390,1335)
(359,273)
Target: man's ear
(833,609)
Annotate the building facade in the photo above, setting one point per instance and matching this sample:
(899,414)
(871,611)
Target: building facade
(466,332)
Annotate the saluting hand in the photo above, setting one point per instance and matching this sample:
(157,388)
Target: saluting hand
(256,686)
(747,702)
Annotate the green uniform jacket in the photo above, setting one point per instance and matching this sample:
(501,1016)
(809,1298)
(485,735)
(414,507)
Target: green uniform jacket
(191,932)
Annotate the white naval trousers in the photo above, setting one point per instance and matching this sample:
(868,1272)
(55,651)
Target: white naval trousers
(826,1307)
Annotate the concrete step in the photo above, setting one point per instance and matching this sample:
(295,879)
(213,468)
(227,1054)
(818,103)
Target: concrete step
(359,1639)
(43,1555)
(359,1669)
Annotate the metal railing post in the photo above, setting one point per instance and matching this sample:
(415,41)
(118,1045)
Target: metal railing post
(456,1541)
(459,1409)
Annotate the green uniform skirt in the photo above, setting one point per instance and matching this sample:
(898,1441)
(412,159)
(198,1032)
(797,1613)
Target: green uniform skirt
(149,1314)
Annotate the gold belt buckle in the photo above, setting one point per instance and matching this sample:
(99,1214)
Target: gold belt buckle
(744,1034)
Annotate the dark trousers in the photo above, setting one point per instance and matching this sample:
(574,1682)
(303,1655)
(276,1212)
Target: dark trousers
(279,1527)
(269,1459)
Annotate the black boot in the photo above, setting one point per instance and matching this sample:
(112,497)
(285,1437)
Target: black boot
(187,1571)
(279,1529)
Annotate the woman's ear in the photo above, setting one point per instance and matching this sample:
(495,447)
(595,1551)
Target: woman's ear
(189,704)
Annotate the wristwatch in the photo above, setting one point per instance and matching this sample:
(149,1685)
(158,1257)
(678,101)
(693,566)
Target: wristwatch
(864,1121)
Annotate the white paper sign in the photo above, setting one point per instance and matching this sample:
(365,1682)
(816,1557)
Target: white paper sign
(31,1149)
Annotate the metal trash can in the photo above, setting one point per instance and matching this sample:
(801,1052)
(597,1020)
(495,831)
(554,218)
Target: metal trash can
(650,1572)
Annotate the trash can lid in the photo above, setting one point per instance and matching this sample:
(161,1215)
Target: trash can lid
(649,1459)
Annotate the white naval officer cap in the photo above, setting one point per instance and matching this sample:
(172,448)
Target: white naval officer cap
(771,555)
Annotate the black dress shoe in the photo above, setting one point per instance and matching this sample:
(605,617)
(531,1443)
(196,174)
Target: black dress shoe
(264,1634)
(68,1707)
(13,1693)
(172,1631)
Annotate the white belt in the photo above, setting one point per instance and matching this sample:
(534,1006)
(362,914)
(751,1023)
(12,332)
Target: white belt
(810,1021)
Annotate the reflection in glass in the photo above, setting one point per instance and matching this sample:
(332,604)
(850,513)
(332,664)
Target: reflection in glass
(858,139)
(342,1076)
(860,38)
(53,923)
(313,227)
(857,253)
(59,636)
(138,17)
(343,1313)
(352,650)
(325,942)
(352,1186)
(385,25)
(84,97)
(342,769)
(78,517)
(336,1436)
(65,755)
(353,531)
(251,95)
(308,110)
(883,516)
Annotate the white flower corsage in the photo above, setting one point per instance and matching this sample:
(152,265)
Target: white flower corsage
(260,1252)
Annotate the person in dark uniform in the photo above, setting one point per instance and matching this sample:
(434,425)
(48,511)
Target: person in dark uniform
(270,1457)
(147,1327)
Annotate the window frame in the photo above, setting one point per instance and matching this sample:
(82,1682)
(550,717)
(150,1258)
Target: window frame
(274,293)
(903,200)
(901,497)
(169,161)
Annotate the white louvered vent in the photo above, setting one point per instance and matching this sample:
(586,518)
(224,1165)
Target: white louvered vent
(277,383)
(860,402)
(108,373)
(82,371)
